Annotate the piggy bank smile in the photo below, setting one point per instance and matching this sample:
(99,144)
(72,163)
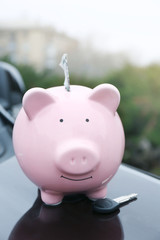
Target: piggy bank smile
(72,179)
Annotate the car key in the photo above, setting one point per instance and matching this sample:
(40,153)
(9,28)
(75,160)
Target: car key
(108,205)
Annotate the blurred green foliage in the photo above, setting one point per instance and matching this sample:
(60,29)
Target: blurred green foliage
(139,108)
(140,97)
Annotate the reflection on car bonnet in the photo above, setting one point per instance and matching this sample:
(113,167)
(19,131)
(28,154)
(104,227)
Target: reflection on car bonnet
(70,220)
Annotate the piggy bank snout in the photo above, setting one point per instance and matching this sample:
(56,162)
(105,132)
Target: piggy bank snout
(78,159)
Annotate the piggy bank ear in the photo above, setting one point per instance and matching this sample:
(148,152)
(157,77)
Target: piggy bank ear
(35,100)
(107,95)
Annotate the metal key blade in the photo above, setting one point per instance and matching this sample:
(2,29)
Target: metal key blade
(127,198)
(108,205)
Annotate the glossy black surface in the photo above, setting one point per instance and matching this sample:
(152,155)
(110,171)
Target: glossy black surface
(24,216)
(70,220)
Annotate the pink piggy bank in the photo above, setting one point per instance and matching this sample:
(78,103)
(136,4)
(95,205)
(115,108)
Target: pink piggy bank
(70,142)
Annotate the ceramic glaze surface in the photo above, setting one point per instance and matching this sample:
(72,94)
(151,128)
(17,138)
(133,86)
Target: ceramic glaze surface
(68,142)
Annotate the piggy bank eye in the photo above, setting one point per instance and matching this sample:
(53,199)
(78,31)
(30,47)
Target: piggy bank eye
(61,120)
(87,120)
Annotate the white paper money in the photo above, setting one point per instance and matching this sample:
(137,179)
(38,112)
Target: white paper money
(64,65)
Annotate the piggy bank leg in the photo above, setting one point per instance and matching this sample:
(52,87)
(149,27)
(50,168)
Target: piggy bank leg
(51,197)
(97,193)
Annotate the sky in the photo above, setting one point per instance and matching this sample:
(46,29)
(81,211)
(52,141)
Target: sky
(114,26)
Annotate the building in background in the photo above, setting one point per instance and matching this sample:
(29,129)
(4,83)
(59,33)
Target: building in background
(42,47)
(35,45)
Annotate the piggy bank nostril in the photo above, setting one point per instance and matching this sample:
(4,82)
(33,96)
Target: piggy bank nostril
(72,161)
(84,160)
